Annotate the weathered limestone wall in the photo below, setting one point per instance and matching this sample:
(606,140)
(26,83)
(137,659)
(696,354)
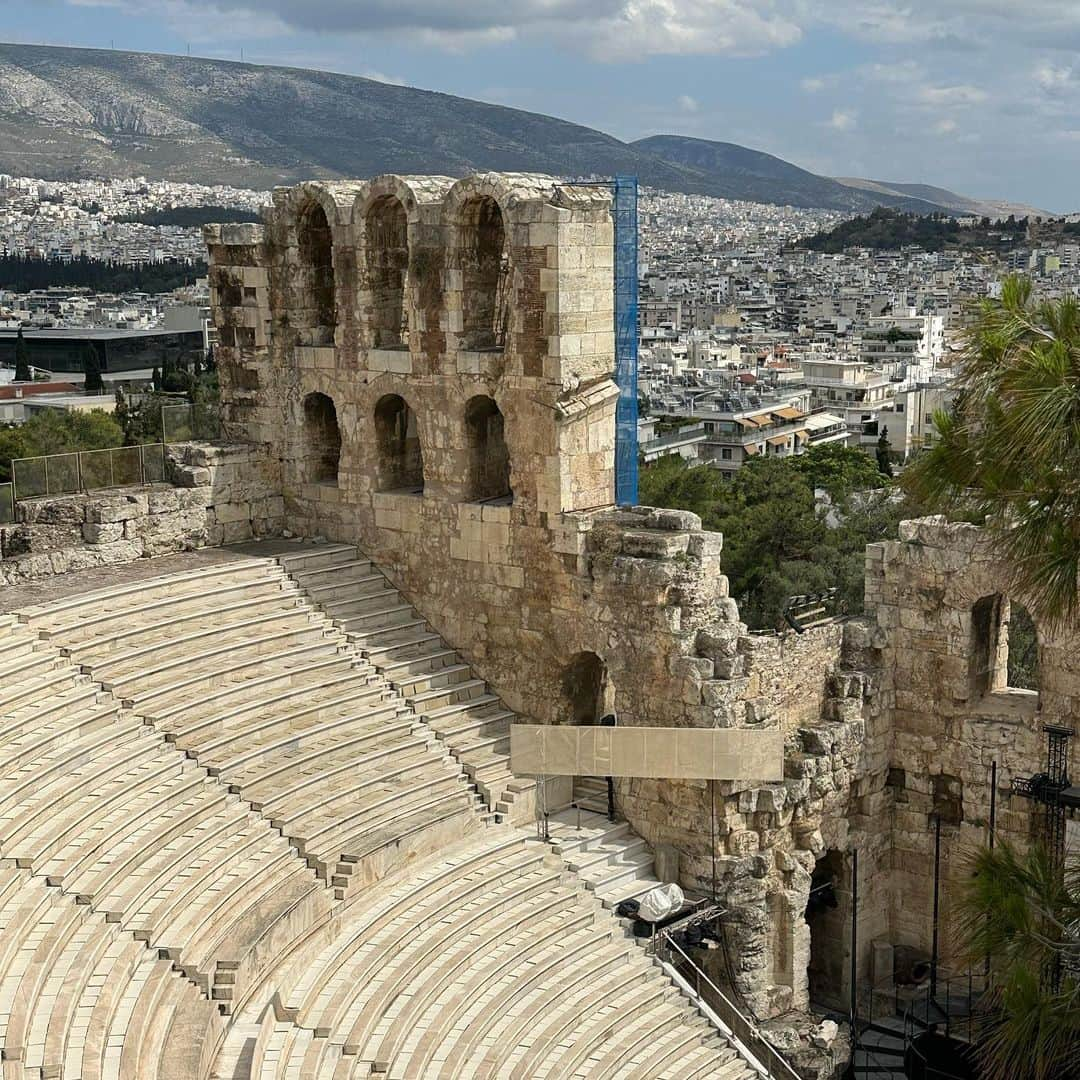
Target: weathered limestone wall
(528,585)
(947,724)
(219,495)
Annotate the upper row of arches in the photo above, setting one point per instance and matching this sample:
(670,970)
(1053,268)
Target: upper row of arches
(474,214)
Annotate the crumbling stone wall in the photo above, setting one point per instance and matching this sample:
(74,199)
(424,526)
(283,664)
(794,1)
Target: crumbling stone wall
(218,495)
(948,723)
(527,586)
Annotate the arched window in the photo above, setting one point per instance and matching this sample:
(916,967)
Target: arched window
(586,689)
(1022,650)
(322,440)
(387,254)
(1004,649)
(489,459)
(401,461)
(485,267)
(317,266)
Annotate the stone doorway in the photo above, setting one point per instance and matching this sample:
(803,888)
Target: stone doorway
(588,697)
(828,914)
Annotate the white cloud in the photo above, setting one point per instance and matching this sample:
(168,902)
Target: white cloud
(607,29)
(382,77)
(951,96)
(1053,78)
(898,74)
(842,120)
(945,127)
(814,85)
(687,103)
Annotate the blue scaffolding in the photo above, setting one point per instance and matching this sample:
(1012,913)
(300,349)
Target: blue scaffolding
(626,339)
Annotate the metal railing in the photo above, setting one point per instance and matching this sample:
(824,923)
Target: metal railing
(673,438)
(87,470)
(742,1029)
(950,1011)
(190,422)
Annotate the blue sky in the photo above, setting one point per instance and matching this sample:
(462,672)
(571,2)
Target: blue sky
(982,96)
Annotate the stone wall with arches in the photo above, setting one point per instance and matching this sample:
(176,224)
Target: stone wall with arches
(941,598)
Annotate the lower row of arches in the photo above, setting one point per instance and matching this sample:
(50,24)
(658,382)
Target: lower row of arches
(399,449)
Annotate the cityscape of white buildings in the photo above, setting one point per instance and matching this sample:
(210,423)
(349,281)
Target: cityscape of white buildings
(750,346)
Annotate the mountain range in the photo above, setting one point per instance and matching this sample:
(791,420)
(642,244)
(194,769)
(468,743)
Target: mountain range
(67,113)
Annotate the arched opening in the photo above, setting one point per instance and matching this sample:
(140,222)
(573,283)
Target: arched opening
(828,916)
(387,255)
(322,440)
(401,460)
(586,689)
(1004,648)
(317,265)
(1022,650)
(489,459)
(485,272)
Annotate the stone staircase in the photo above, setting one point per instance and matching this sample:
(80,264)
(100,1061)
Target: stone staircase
(609,857)
(434,680)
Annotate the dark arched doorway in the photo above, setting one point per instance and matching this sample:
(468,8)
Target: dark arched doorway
(322,440)
(401,460)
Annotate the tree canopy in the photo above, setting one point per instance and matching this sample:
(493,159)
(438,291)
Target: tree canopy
(22,274)
(54,431)
(1021,910)
(1009,450)
(778,540)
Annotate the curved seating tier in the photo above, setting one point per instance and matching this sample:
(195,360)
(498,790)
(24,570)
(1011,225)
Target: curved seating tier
(255,685)
(471,721)
(491,962)
(182,761)
(79,997)
(97,804)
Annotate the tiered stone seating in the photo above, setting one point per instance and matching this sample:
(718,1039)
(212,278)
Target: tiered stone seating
(158,785)
(491,962)
(97,804)
(80,997)
(459,707)
(240,672)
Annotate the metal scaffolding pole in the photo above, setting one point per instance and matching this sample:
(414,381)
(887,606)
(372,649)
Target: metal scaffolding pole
(626,339)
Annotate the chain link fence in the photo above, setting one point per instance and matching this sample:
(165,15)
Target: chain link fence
(198,422)
(86,470)
(7,504)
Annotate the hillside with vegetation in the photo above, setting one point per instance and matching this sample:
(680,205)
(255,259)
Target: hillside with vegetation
(22,274)
(885,229)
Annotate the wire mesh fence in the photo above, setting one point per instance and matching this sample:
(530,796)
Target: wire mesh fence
(190,422)
(85,470)
(7,504)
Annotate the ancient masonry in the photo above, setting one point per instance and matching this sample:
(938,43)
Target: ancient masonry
(428,364)
(421,367)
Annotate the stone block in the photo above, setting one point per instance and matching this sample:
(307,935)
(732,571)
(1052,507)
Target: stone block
(107,533)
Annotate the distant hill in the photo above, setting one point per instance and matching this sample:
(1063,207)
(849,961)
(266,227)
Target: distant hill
(68,113)
(760,177)
(960,204)
(884,230)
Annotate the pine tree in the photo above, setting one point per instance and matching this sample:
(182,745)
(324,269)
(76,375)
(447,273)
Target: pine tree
(22,359)
(884,463)
(92,380)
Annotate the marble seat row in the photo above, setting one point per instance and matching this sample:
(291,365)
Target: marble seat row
(260,689)
(492,962)
(81,998)
(440,687)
